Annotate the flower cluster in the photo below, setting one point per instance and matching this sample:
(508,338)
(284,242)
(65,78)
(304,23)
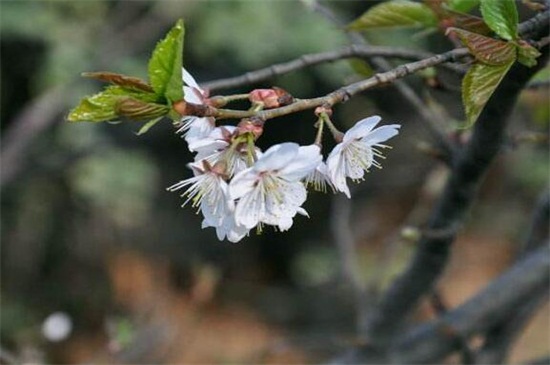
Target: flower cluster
(237,187)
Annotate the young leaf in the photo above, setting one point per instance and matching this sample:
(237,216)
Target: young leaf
(467,22)
(128,82)
(501,16)
(462,6)
(397,13)
(99,107)
(486,50)
(138,110)
(165,65)
(145,128)
(478,85)
(527,54)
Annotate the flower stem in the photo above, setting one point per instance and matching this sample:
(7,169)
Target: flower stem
(335,132)
(320,126)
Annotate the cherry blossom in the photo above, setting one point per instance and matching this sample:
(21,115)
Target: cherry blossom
(357,151)
(194,128)
(270,191)
(222,146)
(319,178)
(207,190)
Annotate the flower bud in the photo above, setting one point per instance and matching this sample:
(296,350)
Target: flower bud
(284,97)
(267,97)
(253,125)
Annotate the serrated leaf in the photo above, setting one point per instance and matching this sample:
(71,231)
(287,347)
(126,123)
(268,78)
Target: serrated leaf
(165,65)
(102,107)
(128,82)
(467,22)
(99,107)
(527,54)
(398,13)
(462,6)
(501,16)
(134,109)
(477,87)
(145,128)
(485,49)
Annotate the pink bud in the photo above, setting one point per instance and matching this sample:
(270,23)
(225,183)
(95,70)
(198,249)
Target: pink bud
(252,125)
(268,97)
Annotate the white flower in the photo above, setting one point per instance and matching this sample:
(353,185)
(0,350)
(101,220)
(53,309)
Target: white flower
(357,151)
(270,191)
(218,139)
(319,179)
(207,190)
(219,146)
(193,127)
(228,227)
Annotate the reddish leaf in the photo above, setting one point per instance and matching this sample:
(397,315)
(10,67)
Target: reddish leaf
(486,50)
(467,22)
(127,82)
(527,54)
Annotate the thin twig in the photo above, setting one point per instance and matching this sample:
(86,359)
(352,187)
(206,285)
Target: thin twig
(313,59)
(342,94)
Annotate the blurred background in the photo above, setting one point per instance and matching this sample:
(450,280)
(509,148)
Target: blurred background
(101,264)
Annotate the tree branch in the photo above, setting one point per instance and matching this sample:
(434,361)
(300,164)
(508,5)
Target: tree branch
(313,59)
(431,342)
(461,187)
(340,95)
(500,337)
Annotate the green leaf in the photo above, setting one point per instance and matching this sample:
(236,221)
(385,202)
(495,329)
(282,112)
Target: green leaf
(145,128)
(102,107)
(398,13)
(128,82)
(477,87)
(462,6)
(99,107)
(501,16)
(165,65)
(527,54)
(485,49)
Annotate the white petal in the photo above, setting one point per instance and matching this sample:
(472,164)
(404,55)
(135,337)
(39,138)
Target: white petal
(307,159)
(237,233)
(192,95)
(249,209)
(243,183)
(276,157)
(361,128)
(188,79)
(335,167)
(381,134)
(284,202)
(285,223)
